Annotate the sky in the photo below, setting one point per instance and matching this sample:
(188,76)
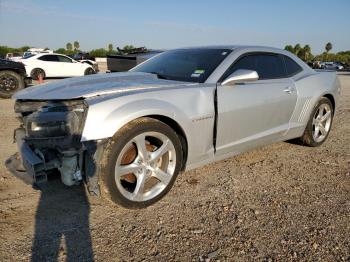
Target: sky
(166,24)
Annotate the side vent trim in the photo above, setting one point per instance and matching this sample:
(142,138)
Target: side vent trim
(304,110)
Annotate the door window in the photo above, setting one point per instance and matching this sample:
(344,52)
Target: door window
(49,58)
(268,66)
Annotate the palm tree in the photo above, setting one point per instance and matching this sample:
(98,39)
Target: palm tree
(328,47)
(69,46)
(307,52)
(289,48)
(110,48)
(76,45)
(297,49)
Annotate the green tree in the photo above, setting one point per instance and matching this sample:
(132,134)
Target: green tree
(100,52)
(128,47)
(60,51)
(25,48)
(69,46)
(4,50)
(76,45)
(328,47)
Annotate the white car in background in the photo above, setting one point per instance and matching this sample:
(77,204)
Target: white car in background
(13,56)
(332,66)
(55,65)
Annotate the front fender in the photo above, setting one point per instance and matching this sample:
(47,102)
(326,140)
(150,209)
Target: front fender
(101,124)
(191,108)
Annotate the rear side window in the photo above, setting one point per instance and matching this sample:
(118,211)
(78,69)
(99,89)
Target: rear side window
(268,66)
(50,58)
(292,68)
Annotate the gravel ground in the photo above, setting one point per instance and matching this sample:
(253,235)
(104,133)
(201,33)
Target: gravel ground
(283,202)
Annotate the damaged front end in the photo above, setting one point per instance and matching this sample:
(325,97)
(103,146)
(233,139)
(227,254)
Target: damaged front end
(49,139)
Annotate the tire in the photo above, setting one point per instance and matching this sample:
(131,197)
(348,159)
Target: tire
(124,152)
(89,71)
(10,82)
(36,72)
(313,135)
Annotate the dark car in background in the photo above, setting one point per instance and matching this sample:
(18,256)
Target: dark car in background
(128,59)
(13,77)
(83,57)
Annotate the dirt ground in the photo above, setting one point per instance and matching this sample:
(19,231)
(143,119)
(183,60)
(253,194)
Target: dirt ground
(283,202)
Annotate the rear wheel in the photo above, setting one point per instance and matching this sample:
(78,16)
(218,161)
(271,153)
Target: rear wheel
(36,72)
(141,163)
(319,125)
(10,82)
(89,71)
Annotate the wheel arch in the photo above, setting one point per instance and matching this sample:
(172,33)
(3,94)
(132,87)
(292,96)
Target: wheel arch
(178,130)
(86,62)
(331,98)
(14,70)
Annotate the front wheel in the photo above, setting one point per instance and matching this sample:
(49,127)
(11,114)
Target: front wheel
(10,82)
(319,125)
(140,163)
(89,71)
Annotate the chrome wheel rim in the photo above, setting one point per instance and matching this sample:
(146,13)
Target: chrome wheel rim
(145,166)
(321,122)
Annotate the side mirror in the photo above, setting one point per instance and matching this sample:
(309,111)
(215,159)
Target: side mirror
(239,76)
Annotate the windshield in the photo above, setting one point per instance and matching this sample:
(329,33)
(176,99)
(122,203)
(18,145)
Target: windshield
(26,56)
(190,65)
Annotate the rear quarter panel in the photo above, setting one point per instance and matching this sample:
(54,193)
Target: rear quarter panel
(311,88)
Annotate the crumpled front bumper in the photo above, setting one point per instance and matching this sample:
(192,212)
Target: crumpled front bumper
(26,164)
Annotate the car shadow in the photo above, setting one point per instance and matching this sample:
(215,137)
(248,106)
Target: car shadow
(62,224)
(295,141)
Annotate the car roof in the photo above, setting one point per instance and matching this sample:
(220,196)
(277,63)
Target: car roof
(42,54)
(234,47)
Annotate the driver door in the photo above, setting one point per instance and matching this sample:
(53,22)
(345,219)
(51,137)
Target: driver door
(252,114)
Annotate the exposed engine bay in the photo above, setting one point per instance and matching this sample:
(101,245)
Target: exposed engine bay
(49,139)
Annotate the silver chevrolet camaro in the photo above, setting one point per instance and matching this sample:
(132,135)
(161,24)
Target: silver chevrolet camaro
(128,135)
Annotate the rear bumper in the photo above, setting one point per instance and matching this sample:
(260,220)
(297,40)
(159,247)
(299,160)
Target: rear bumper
(26,165)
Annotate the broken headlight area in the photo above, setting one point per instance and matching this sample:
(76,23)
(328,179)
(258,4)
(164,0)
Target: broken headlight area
(51,124)
(49,139)
(54,124)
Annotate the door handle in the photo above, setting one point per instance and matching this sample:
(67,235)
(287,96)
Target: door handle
(288,90)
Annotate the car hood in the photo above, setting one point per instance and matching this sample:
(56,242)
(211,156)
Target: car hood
(97,85)
(6,64)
